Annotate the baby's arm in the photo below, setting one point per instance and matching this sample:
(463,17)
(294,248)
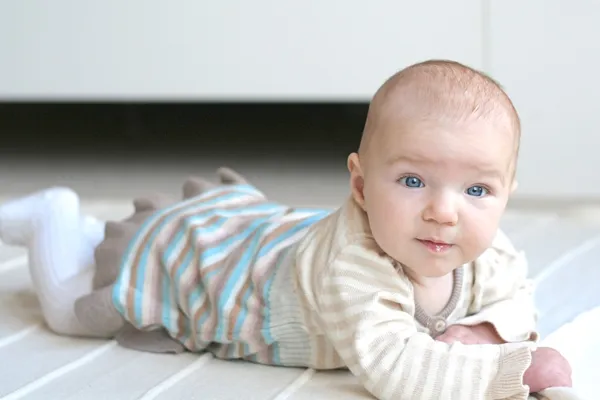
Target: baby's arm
(361,302)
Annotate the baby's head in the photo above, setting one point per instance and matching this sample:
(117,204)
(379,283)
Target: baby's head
(436,164)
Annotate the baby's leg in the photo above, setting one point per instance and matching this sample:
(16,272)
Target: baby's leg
(61,245)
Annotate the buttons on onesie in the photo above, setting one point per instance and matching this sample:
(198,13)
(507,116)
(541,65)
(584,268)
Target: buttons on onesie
(438,325)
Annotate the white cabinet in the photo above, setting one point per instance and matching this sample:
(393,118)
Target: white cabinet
(225,50)
(547,54)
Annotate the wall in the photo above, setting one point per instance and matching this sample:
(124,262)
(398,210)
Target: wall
(544,52)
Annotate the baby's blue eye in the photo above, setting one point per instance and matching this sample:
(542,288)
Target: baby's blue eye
(411,182)
(477,191)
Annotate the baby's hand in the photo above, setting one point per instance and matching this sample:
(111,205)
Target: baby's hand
(478,334)
(548,369)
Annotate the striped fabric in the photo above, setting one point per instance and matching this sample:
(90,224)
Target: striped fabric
(242,277)
(203,269)
(365,307)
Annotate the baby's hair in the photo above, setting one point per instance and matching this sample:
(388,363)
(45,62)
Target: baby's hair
(441,90)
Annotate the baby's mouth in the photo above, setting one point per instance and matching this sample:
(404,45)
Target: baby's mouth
(436,246)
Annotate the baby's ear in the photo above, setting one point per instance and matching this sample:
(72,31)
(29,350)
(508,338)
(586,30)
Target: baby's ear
(514,186)
(357,181)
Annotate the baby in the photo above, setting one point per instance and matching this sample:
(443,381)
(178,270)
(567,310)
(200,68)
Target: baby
(409,284)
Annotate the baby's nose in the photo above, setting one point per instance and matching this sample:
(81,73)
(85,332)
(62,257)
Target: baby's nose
(442,210)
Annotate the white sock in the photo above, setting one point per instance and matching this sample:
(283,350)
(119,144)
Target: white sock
(53,212)
(92,233)
(17,216)
(60,243)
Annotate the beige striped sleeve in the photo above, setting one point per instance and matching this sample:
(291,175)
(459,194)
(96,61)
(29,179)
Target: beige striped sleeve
(502,294)
(362,304)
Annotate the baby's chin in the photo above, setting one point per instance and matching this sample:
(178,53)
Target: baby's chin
(432,273)
(428,271)
(433,266)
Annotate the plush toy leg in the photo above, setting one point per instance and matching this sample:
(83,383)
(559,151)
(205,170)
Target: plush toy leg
(195,186)
(155,341)
(96,313)
(230,177)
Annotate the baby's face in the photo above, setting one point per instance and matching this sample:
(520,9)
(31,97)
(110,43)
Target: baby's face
(435,193)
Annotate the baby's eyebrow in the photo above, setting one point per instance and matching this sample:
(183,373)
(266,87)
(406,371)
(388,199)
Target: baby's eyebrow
(491,173)
(415,159)
(488,172)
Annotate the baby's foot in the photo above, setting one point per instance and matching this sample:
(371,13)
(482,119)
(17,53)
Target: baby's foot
(18,217)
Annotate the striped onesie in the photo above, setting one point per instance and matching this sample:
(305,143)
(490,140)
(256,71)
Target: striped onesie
(204,268)
(245,278)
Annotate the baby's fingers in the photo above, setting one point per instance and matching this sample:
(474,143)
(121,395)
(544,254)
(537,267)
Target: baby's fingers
(447,338)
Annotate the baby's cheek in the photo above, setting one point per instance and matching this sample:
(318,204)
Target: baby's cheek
(390,218)
(381,228)
(392,233)
(479,235)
